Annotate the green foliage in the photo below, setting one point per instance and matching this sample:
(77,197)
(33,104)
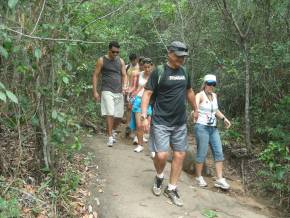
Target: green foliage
(209,213)
(276,174)
(4,94)
(68,183)
(9,208)
(12,3)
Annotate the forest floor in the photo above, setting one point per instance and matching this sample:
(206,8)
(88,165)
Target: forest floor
(122,181)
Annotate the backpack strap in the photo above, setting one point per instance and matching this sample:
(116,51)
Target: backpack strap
(161,69)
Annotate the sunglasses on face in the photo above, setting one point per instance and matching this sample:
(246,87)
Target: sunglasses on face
(178,49)
(115,52)
(211,83)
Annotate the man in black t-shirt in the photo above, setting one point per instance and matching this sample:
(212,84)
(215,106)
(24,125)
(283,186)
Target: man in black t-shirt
(171,89)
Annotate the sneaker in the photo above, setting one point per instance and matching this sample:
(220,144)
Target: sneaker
(135,141)
(110,141)
(222,183)
(139,148)
(157,186)
(145,139)
(200,181)
(114,133)
(173,196)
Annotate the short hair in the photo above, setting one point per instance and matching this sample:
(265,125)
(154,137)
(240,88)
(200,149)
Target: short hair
(147,61)
(114,44)
(141,59)
(132,57)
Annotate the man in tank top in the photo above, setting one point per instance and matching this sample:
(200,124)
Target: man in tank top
(113,84)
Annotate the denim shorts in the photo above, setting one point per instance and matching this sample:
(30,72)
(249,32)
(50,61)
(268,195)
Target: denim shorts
(204,136)
(162,137)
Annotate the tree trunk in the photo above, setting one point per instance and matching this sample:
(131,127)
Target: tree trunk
(247,96)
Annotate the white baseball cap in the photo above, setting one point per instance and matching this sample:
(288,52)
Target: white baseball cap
(209,78)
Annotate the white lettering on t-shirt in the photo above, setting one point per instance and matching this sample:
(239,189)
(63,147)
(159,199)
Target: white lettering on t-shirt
(176,77)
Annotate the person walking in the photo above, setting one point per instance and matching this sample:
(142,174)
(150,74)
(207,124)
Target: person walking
(136,104)
(168,87)
(206,131)
(113,84)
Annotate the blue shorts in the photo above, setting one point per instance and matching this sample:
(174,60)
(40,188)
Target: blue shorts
(136,105)
(162,137)
(205,135)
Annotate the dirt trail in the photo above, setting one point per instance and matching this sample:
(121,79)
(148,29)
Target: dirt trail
(122,189)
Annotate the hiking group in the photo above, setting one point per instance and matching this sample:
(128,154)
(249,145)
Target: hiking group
(156,100)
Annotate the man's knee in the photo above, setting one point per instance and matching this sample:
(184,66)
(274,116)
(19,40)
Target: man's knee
(180,155)
(162,156)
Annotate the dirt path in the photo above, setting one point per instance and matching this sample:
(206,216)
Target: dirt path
(122,189)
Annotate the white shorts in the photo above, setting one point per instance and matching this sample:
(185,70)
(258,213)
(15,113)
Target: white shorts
(112,104)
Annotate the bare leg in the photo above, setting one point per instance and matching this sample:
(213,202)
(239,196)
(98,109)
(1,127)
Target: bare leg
(176,166)
(198,169)
(110,123)
(219,169)
(160,161)
(117,122)
(139,128)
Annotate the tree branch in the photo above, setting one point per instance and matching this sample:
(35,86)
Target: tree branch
(44,1)
(158,33)
(106,15)
(51,39)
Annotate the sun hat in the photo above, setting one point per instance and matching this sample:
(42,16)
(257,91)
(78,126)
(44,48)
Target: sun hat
(210,78)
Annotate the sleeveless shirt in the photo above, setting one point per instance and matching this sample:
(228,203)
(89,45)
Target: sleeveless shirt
(111,75)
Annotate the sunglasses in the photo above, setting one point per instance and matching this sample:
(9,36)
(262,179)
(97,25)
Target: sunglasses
(115,52)
(211,83)
(178,49)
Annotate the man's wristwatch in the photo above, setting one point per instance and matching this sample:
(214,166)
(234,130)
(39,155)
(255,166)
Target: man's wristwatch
(143,117)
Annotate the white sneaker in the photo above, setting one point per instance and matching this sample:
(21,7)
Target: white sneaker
(145,139)
(139,148)
(114,133)
(200,181)
(110,141)
(135,141)
(222,183)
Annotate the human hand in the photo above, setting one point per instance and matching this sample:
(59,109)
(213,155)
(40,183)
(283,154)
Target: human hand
(145,125)
(96,96)
(227,123)
(194,115)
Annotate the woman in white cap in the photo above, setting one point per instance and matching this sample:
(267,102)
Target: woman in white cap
(206,131)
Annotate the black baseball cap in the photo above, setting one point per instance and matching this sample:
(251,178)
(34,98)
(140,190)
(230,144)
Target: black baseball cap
(178,48)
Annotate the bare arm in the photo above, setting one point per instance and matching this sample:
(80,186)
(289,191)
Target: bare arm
(192,100)
(144,105)
(96,75)
(221,116)
(124,75)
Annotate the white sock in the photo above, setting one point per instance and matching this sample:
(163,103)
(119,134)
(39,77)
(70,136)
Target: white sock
(171,187)
(160,176)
